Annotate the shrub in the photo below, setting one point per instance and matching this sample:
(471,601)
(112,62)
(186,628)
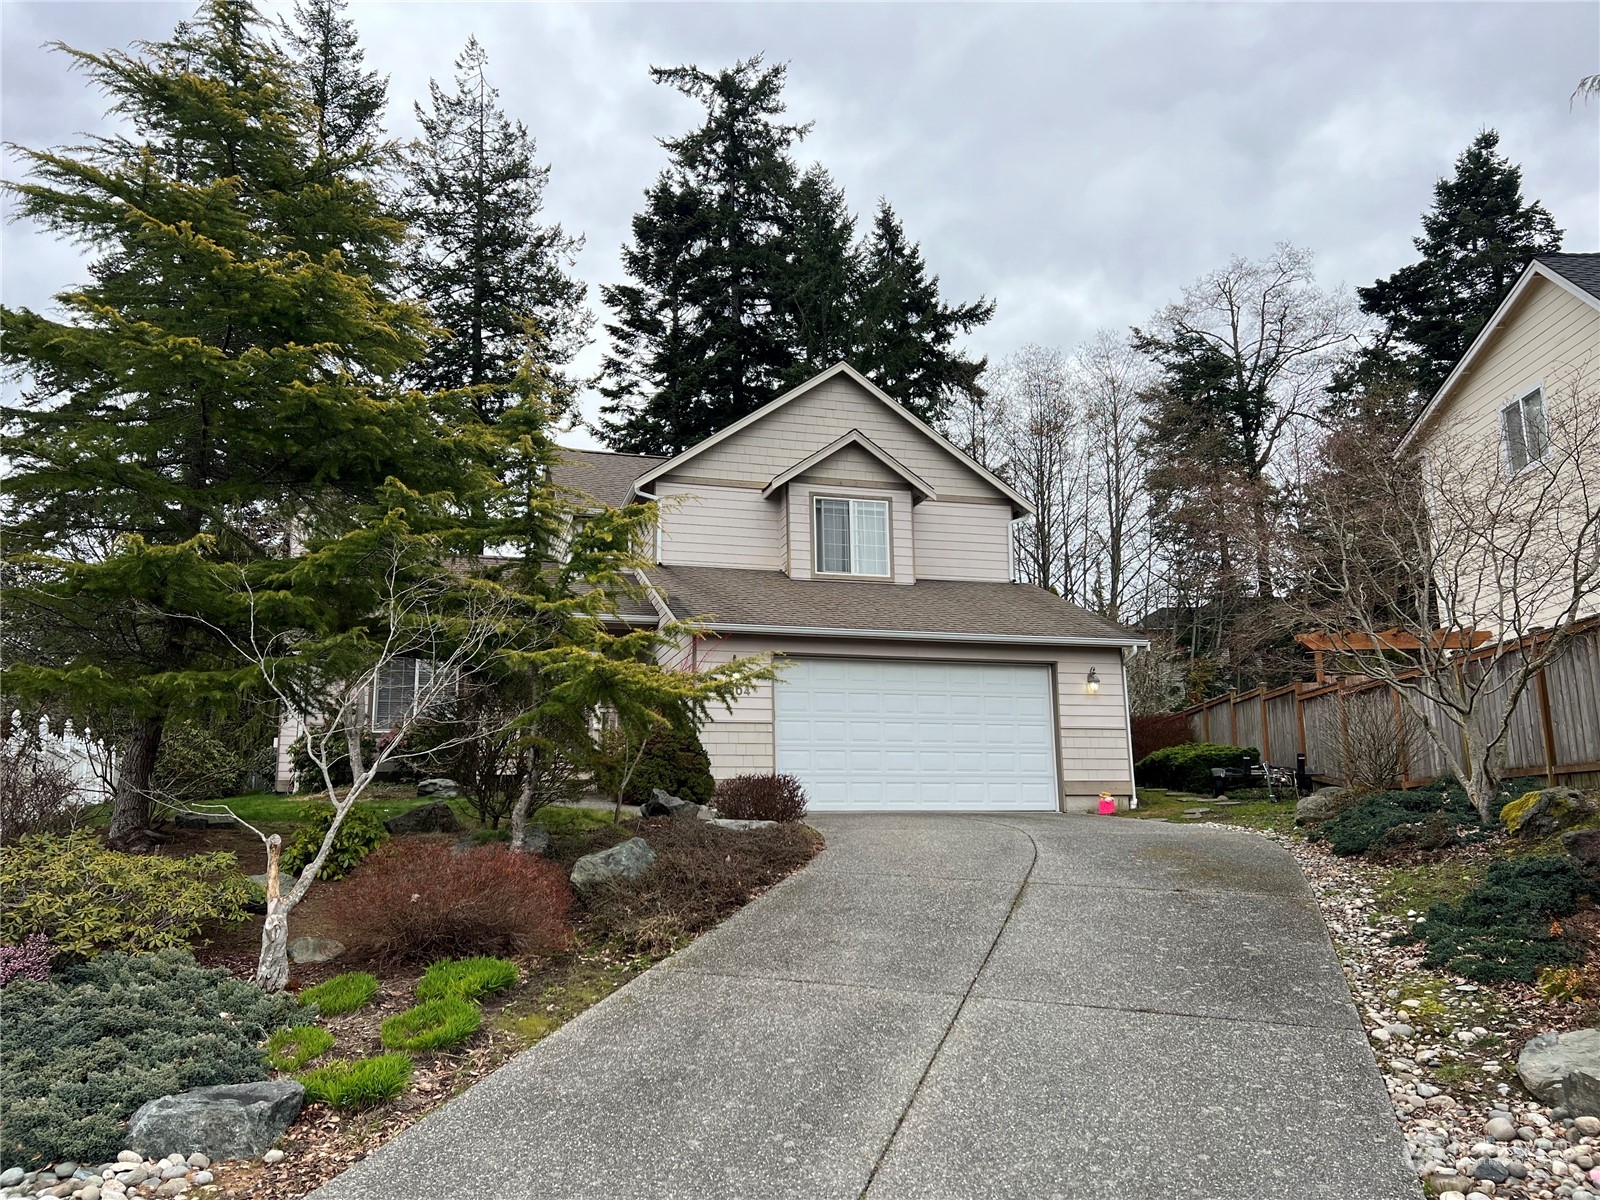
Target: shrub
(1187,768)
(31,960)
(1158,731)
(1428,818)
(761,798)
(83,1049)
(194,766)
(38,793)
(361,833)
(87,899)
(419,902)
(676,762)
(308,776)
(341,994)
(1507,927)
(364,1083)
(468,978)
(432,1025)
(292,1048)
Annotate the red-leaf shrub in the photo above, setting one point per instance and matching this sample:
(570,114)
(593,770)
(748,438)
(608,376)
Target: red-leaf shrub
(760,798)
(1158,732)
(415,902)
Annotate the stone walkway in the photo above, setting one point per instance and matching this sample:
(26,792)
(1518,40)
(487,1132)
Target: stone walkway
(1032,1006)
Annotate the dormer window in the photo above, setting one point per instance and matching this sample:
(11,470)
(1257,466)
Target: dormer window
(852,536)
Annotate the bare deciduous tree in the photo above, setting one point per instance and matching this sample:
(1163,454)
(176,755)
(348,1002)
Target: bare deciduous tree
(1112,378)
(1410,562)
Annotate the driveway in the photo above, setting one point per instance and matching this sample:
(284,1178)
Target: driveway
(1032,1006)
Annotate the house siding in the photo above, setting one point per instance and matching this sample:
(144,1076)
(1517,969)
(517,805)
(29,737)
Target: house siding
(802,514)
(1093,751)
(962,541)
(711,526)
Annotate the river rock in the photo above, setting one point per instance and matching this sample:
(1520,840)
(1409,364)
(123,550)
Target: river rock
(231,1120)
(1324,803)
(1564,1069)
(437,817)
(627,861)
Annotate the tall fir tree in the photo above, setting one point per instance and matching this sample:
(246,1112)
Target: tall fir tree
(905,332)
(213,392)
(491,274)
(327,62)
(700,337)
(1477,238)
(824,276)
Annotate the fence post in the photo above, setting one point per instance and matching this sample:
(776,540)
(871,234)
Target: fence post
(1233,718)
(1266,730)
(1403,742)
(1547,728)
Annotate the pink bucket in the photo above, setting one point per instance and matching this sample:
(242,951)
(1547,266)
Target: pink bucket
(1108,805)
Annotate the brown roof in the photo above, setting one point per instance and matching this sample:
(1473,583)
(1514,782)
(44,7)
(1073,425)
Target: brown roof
(602,476)
(723,596)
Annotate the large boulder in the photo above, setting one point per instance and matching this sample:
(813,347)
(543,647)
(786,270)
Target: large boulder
(441,786)
(230,1120)
(1323,804)
(664,804)
(437,817)
(1583,845)
(1564,1069)
(627,861)
(1548,811)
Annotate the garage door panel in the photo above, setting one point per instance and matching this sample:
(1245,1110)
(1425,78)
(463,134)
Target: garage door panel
(866,734)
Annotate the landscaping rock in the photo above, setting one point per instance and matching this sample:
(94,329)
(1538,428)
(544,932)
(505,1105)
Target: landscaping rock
(1583,845)
(708,812)
(730,823)
(10,1176)
(1323,803)
(664,804)
(195,820)
(1548,811)
(437,817)
(536,839)
(314,950)
(1564,1069)
(233,1120)
(627,861)
(441,786)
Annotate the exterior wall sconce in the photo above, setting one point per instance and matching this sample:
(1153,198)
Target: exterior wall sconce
(1092,683)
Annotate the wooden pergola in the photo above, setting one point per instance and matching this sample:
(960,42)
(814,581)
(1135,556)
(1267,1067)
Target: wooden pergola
(1398,640)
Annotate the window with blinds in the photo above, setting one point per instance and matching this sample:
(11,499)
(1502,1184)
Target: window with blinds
(1527,436)
(394,693)
(852,536)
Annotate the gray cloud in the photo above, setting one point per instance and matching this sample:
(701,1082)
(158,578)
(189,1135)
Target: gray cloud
(1079,163)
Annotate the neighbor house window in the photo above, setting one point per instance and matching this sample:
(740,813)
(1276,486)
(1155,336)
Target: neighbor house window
(852,536)
(1526,433)
(395,693)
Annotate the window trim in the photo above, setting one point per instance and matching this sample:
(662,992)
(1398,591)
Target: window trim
(1516,404)
(816,499)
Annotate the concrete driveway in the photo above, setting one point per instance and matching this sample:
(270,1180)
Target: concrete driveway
(962,1007)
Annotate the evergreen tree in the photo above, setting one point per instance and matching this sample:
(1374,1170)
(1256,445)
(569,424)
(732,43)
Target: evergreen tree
(326,62)
(905,332)
(701,337)
(820,293)
(214,390)
(1476,240)
(492,275)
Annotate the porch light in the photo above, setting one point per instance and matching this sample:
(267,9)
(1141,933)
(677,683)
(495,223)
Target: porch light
(1092,683)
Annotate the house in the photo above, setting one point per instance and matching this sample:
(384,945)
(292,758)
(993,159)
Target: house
(1537,354)
(835,530)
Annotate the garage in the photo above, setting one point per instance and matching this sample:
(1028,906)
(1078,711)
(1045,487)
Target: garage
(875,735)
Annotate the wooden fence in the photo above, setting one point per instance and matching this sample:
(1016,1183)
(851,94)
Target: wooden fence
(1555,728)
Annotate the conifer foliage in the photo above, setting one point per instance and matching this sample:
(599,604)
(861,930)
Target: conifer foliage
(327,62)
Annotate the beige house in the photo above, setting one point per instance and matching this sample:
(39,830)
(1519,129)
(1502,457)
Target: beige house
(1531,377)
(834,529)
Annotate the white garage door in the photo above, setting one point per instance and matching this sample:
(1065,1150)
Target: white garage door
(880,734)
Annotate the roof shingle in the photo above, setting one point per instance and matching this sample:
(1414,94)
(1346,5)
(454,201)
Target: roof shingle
(1581,269)
(725,596)
(602,476)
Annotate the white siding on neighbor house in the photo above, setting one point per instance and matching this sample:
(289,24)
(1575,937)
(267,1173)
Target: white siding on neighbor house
(1094,752)
(962,541)
(802,543)
(705,525)
(760,452)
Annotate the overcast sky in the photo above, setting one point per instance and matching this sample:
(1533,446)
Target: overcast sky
(1078,163)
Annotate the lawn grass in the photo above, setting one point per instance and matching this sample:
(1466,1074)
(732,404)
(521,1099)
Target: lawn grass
(562,819)
(1256,812)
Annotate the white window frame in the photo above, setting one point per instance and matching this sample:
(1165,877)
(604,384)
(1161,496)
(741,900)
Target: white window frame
(417,667)
(853,501)
(1516,410)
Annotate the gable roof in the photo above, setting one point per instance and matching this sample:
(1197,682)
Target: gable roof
(1576,274)
(602,476)
(733,600)
(675,463)
(854,438)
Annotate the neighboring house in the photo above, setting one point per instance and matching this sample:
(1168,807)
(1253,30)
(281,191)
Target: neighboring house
(834,529)
(1540,350)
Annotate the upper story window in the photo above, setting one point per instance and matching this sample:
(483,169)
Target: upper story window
(852,536)
(1527,436)
(396,689)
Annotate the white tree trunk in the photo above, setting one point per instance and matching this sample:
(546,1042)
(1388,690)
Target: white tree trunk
(272,965)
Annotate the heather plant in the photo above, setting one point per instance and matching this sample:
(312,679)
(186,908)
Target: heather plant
(761,798)
(80,1051)
(30,960)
